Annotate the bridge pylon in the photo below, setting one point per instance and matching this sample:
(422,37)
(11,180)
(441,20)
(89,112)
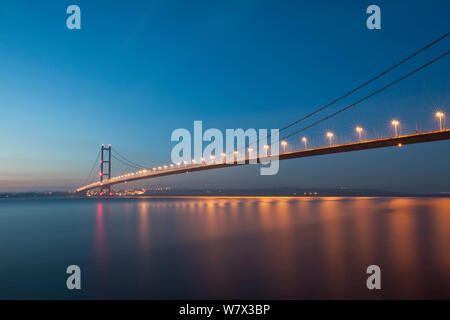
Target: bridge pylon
(105,175)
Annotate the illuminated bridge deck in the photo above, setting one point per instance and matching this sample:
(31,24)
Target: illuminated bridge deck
(363,145)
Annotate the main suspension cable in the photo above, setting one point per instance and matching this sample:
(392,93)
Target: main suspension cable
(93,166)
(368,96)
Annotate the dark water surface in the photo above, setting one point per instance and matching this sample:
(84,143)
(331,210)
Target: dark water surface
(196,248)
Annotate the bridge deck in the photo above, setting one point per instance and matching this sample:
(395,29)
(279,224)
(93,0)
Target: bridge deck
(363,145)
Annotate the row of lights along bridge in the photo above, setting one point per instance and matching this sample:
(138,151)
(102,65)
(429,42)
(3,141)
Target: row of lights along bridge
(330,135)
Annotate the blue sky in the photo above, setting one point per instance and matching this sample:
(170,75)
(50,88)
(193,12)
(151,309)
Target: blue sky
(137,70)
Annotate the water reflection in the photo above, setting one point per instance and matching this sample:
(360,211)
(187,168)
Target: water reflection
(100,250)
(143,225)
(252,247)
(292,248)
(99,231)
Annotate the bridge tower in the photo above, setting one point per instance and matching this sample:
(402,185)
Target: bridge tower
(105,175)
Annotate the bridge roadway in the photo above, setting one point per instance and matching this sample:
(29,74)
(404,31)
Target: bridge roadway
(356,146)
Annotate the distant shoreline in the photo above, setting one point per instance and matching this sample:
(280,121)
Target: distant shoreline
(248,193)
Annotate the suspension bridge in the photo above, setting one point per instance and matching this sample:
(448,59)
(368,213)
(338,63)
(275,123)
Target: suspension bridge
(248,157)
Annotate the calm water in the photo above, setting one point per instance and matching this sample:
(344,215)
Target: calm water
(225,247)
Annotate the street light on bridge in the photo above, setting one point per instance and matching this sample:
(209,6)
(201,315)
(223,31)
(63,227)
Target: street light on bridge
(305,141)
(330,136)
(440,115)
(284,144)
(359,130)
(395,123)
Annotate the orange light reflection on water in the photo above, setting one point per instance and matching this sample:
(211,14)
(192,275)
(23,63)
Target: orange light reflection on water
(271,247)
